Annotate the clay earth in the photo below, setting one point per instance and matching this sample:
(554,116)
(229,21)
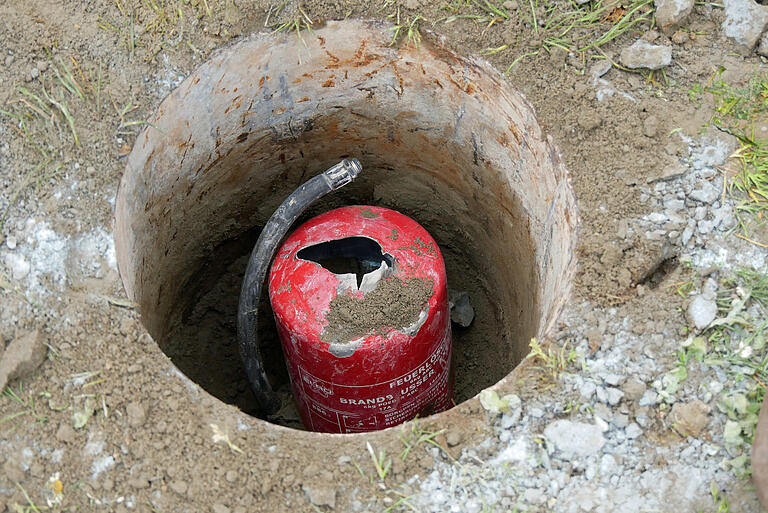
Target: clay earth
(107,423)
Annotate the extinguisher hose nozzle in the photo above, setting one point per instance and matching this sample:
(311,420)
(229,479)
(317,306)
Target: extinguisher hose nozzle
(274,231)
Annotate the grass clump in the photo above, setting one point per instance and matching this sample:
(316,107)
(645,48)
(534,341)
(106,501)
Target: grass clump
(555,24)
(737,110)
(157,24)
(552,360)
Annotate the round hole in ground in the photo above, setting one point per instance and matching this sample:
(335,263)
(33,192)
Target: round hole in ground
(441,138)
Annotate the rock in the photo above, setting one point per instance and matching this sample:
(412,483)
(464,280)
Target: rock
(709,289)
(614,395)
(689,418)
(633,389)
(658,217)
(18,265)
(674,204)
(412,4)
(706,194)
(11,242)
(231,476)
(139,483)
(65,433)
(671,172)
(704,227)
(763,48)
(702,311)
(179,487)
(600,68)
(633,431)
(680,37)
(462,312)
(219,508)
(508,5)
(320,495)
(575,438)
(22,357)
(642,54)
(686,237)
(453,438)
(534,496)
(136,413)
(670,14)
(587,390)
(745,21)
(649,398)
(650,126)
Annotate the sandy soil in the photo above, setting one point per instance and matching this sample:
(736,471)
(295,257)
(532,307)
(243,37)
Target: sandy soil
(147,444)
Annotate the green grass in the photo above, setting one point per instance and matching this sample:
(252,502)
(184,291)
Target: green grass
(736,343)
(737,109)
(405,30)
(552,360)
(28,405)
(550,24)
(157,25)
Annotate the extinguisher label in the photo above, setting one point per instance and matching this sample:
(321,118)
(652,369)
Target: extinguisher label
(348,409)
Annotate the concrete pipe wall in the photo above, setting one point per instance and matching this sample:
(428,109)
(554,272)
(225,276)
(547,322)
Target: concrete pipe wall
(442,138)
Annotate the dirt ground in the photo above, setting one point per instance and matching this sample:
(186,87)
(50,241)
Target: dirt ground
(151,449)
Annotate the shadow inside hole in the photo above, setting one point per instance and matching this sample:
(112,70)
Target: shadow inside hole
(348,255)
(203,342)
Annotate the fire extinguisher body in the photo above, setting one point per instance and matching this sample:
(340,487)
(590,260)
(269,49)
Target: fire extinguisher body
(360,301)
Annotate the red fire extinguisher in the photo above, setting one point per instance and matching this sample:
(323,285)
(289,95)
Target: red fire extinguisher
(360,300)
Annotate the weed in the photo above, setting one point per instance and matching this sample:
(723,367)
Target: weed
(553,24)
(417,436)
(381,462)
(156,24)
(718,500)
(30,506)
(736,111)
(554,361)
(219,435)
(28,406)
(298,23)
(408,28)
(403,500)
(735,343)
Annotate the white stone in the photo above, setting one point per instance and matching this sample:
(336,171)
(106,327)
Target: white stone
(670,14)
(745,21)
(642,54)
(702,311)
(633,431)
(649,398)
(19,266)
(575,438)
(707,193)
(614,396)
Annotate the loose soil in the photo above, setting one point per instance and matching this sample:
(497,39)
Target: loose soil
(393,304)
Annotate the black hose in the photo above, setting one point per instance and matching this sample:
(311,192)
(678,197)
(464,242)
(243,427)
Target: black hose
(261,257)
